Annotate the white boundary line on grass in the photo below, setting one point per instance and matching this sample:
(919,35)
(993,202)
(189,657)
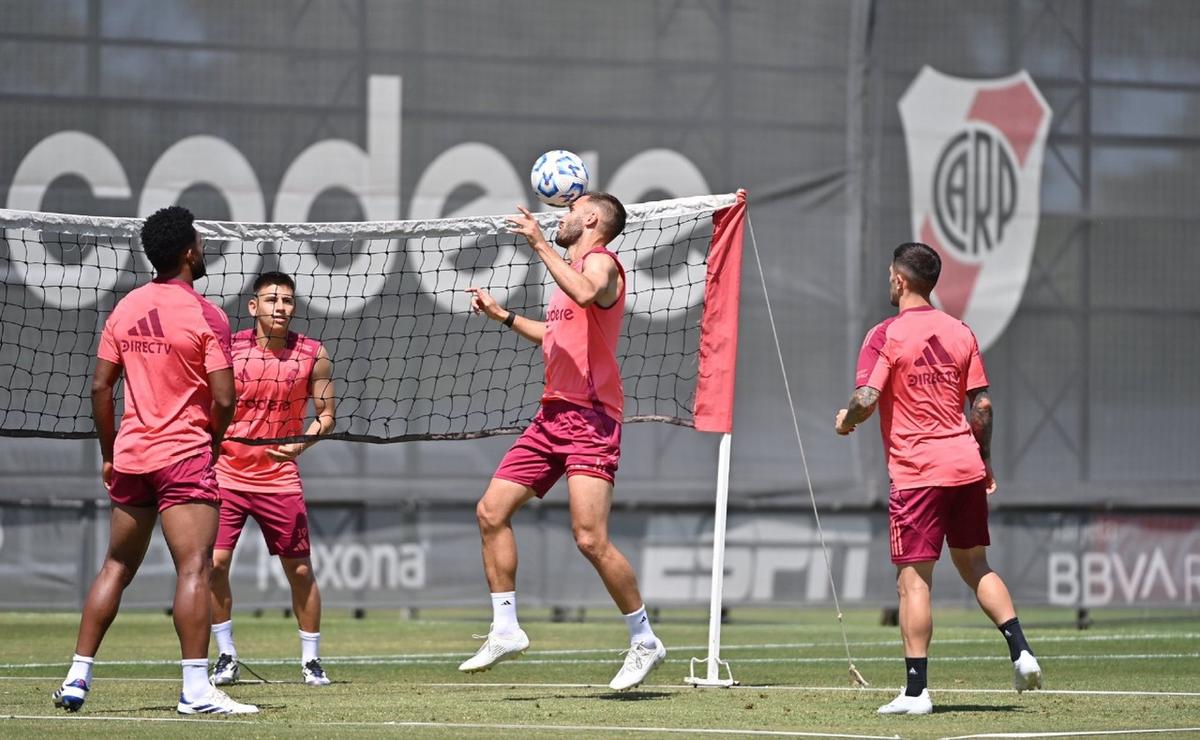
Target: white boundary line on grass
(770,687)
(658,687)
(450,659)
(1077,733)
(468,726)
(431,657)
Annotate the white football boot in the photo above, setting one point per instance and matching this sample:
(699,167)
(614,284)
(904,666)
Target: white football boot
(214,701)
(904,704)
(226,671)
(496,649)
(1027,674)
(313,674)
(639,662)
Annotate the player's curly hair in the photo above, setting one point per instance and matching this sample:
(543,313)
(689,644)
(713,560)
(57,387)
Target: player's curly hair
(166,234)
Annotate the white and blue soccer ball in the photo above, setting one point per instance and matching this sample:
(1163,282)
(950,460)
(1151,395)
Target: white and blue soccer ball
(559,177)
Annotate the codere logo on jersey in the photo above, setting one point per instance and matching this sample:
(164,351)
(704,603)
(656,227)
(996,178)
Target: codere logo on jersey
(975,165)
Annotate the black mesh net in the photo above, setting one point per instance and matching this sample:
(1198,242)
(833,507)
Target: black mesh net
(387,300)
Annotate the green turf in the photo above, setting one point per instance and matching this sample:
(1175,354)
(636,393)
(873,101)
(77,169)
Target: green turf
(405,671)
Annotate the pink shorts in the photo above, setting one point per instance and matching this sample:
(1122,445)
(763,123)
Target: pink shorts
(921,518)
(189,481)
(282,517)
(563,438)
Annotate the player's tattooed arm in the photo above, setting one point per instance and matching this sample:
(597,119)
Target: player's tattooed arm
(862,405)
(980,418)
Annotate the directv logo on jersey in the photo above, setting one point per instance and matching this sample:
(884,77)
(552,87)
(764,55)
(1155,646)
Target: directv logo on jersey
(950,375)
(147,326)
(145,348)
(934,354)
(975,163)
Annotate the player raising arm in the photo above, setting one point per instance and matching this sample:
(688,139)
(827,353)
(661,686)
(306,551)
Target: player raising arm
(577,431)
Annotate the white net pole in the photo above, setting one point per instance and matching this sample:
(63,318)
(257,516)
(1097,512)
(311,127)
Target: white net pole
(713,662)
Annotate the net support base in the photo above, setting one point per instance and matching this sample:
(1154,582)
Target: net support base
(713,678)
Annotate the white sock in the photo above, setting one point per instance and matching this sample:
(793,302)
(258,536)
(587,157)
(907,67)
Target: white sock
(224,634)
(81,667)
(639,628)
(310,646)
(195,678)
(504,613)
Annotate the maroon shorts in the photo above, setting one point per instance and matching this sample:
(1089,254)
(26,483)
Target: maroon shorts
(189,481)
(563,438)
(919,519)
(282,517)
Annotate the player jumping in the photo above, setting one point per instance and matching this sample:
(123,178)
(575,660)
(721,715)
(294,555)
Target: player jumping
(577,431)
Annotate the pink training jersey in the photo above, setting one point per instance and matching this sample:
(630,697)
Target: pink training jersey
(923,362)
(273,392)
(580,349)
(167,338)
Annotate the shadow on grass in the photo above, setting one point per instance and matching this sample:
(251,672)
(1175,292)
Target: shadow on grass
(611,696)
(274,682)
(635,695)
(947,708)
(172,710)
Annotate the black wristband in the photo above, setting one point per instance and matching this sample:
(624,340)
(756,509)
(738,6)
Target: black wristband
(508,320)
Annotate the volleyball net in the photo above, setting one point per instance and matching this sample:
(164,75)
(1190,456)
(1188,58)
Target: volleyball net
(387,300)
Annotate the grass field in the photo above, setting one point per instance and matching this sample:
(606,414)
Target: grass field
(398,676)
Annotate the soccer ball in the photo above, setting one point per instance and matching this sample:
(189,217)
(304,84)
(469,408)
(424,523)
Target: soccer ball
(559,177)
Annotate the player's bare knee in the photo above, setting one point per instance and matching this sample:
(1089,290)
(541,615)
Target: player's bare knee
(910,583)
(220,568)
(194,565)
(972,565)
(591,544)
(121,571)
(491,518)
(300,571)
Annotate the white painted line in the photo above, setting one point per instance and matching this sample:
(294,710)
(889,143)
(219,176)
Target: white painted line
(1077,733)
(938,659)
(615,659)
(775,687)
(658,687)
(103,680)
(459,655)
(604,728)
(91,718)
(468,726)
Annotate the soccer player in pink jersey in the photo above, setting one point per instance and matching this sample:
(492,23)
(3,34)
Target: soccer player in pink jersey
(277,372)
(920,367)
(173,347)
(577,431)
